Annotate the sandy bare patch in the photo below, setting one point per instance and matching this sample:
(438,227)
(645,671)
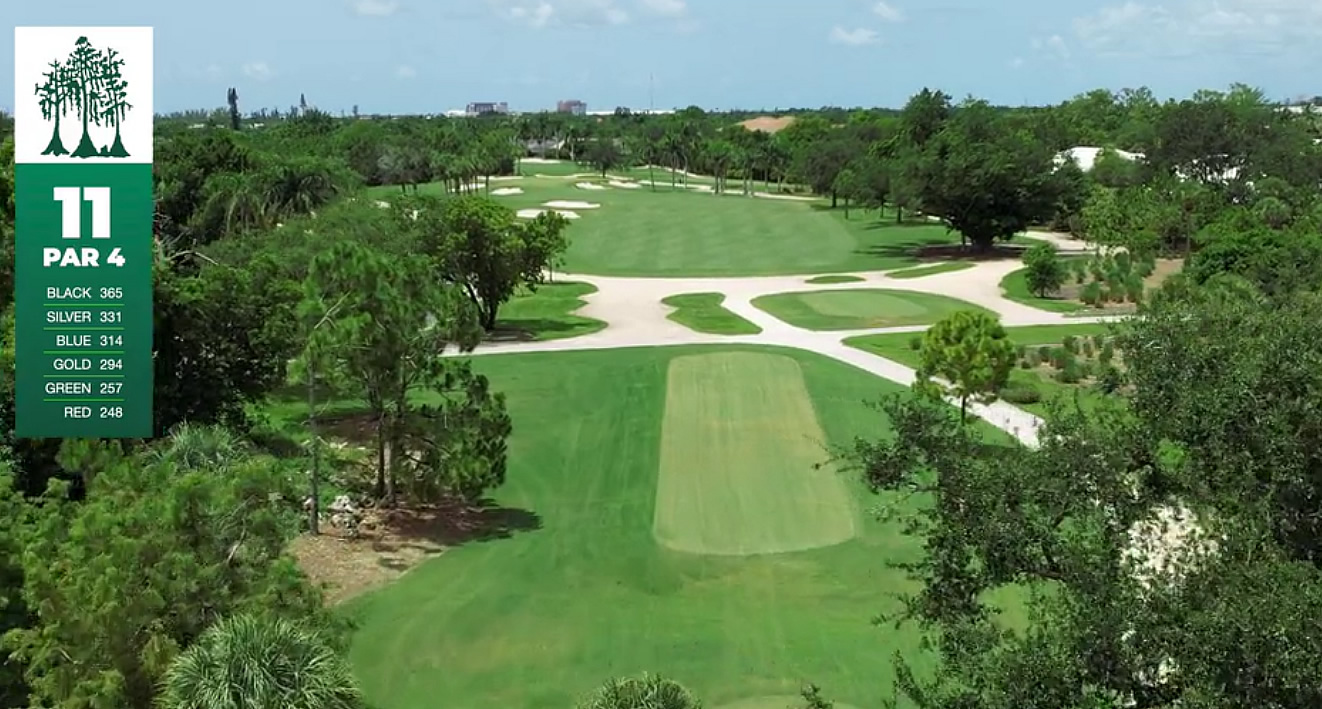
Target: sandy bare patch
(588,186)
(534,213)
(768,124)
(624,185)
(570,204)
(506,191)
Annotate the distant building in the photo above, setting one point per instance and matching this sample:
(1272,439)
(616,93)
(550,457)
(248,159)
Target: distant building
(484,108)
(573,106)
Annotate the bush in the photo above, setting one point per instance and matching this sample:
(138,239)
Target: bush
(1103,297)
(1033,359)
(1021,351)
(1110,379)
(1043,354)
(916,342)
(1107,353)
(1091,294)
(1080,271)
(1044,273)
(1070,373)
(1145,267)
(1070,343)
(1025,364)
(1134,289)
(1087,347)
(1021,394)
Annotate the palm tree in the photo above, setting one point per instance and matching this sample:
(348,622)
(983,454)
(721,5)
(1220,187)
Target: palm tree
(259,662)
(645,692)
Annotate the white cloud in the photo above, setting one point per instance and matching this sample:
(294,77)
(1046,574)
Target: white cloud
(375,8)
(1188,26)
(572,13)
(404,71)
(1016,63)
(665,8)
(257,70)
(854,38)
(887,12)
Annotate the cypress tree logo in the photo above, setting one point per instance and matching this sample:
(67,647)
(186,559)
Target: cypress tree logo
(87,87)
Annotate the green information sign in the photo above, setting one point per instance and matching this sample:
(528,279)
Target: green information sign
(83,223)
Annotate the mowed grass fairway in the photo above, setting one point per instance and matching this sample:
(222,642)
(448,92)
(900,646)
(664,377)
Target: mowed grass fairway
(539,618)
(641,232)
(739,448)
(855,309)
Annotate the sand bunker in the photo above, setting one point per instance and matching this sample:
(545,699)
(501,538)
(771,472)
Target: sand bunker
(768,124)
(506,191)
(569,204)
(534,213)
(383,205)
(540,161)
(624,185)
(791,197)
(588,186)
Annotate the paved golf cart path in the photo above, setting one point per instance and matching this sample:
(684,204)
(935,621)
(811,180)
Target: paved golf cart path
(636,317)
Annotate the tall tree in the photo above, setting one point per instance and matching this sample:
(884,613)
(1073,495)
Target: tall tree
(968,356)
(232,98)
(390,325)
(86,69)
(55,97)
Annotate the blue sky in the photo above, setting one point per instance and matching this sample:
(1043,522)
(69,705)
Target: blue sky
(412,56)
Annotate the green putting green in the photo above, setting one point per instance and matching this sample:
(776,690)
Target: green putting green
(702,312)
(740,446)
(856,309)
(574,588)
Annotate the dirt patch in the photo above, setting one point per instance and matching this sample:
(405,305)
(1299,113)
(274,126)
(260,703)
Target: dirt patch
(390,542)
(768,124)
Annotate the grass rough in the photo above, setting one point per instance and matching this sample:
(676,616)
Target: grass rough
(857,309)
(703,312)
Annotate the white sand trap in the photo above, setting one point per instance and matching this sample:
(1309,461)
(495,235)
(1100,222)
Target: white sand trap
(382,204)
(506,191)
(534,213)
(540,161)
(702,188)
(588,186)
(790,197)
(624,185)
(470,188)
(505,178)
(569,204)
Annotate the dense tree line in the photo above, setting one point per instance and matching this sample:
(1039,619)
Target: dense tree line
(273,269)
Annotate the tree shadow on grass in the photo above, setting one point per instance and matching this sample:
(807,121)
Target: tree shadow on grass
(428,530)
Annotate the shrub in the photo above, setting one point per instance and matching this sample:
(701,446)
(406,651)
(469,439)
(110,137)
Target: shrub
(1086,368)
(1058,355)
(1134,289)
(1043,354)
(1124,263)
(1021,351)
(1021,394)
(1044,273)
(1107,353)
(1070,343)
(916,342)
(1091,294)
(1069,374)
(1025,363)
(1145,267)
(1103,297)
(1080,271)
(1033,359)
(1086,347)
(1110,379)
